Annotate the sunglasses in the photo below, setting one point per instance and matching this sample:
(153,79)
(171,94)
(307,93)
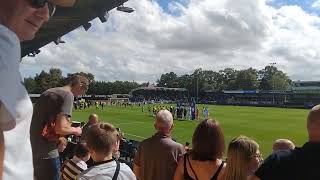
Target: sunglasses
(42,3)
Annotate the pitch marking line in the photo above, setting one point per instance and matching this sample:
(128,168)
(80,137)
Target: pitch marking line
(130,123)
(141,137)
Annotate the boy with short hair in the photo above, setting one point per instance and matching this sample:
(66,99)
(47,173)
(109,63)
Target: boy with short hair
(102,140)
(73,167)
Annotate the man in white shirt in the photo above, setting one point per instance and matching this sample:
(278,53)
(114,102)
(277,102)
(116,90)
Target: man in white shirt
(19,21)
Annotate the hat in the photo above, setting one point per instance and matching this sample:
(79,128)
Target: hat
(64,3)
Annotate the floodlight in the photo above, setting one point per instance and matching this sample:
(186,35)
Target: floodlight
(87,26)
(104,17)
(58,41)
(34,53)
(126,9)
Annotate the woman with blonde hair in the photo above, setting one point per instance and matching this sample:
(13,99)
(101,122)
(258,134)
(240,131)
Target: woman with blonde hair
(243,159)
(203,161)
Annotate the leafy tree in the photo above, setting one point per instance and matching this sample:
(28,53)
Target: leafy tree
(272,78)
(168,80)
(247,79)
(30,85)
(88,75)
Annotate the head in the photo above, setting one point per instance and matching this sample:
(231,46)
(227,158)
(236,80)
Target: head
(164,122)
(78,84)
(102,140)
(313,124)
(82,152)
(25,17)
(62,144)
(243,158)
(93,119)
(207,141)
(282,144)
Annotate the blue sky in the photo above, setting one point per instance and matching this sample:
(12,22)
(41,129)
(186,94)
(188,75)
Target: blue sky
(165,4)
(304,4)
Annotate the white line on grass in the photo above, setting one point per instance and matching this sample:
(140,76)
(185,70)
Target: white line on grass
(130,123)
(141,137)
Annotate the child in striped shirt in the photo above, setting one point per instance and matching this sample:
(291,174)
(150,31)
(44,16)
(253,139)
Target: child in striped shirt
(73,167)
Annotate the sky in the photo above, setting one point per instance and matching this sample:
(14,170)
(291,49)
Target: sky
(181,35)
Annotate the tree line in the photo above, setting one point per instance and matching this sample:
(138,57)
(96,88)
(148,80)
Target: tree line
(269,78)
(54,78)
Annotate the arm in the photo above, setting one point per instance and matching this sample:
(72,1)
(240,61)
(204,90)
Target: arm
(1,153)
(178,175)
(253,177)
(63,126)
(136,170)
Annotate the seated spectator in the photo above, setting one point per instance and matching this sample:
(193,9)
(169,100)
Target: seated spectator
(243,159)
(157,156)
(204,160)
(62,144)
(282,144)
(102,140)
(73,167)
(299,163)
(93,119)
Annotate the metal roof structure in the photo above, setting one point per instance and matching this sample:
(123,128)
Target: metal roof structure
(66,20)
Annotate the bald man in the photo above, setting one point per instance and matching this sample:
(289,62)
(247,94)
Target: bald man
(282,144)
(157,157)
(299,163)
(93,119)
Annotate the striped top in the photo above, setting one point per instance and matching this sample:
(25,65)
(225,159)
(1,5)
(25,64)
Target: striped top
(72,168)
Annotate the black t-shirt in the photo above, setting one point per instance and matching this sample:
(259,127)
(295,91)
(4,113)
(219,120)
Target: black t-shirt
(298,164)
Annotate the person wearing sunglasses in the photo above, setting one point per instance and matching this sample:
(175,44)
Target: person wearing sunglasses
(19,21)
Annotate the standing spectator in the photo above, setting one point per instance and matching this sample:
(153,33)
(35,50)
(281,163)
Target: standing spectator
(197,113)
(300,163)
(51,119)
(102,140)
(73,167)
(19,21)
(157,156)
(282,144)
(204,159)
(243,159)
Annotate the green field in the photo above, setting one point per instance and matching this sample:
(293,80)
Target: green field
(262,124)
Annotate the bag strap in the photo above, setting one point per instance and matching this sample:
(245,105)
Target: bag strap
(192,168)
(116,174)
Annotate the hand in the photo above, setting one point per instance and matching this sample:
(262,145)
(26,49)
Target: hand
(77,131)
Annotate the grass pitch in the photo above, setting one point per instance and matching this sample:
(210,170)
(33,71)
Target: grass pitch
(262,124)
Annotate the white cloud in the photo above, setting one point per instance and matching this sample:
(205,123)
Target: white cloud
(205,33)
(316,4)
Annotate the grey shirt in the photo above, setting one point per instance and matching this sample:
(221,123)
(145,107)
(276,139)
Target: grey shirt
(51,102)
(157,157)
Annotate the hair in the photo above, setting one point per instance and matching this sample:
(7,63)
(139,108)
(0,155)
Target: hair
(93,115)
(282,144)
(314,115)
(164,119)
(207,141)
(101,138)
(81,150)
(240,152)
(77,79)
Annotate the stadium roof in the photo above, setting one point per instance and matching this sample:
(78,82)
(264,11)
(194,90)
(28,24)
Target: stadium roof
(66,20)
